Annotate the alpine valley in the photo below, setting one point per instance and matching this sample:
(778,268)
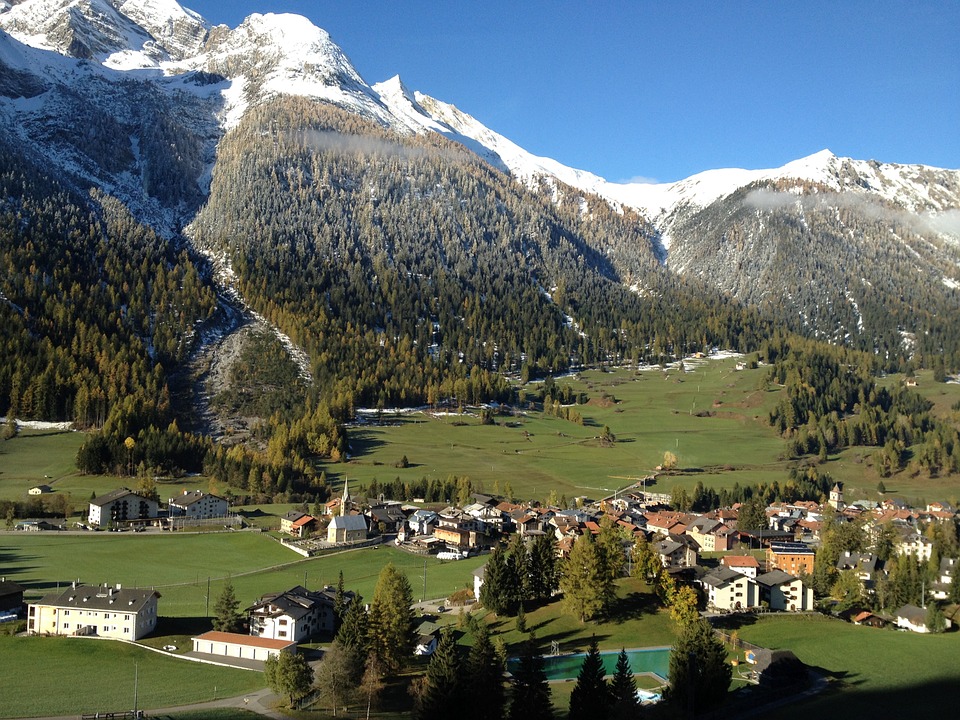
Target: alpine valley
(182,205)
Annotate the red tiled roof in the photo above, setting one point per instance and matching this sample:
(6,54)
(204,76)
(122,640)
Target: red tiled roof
(241,639)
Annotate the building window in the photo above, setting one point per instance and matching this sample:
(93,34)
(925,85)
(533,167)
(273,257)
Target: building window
(283,621)
(282,633)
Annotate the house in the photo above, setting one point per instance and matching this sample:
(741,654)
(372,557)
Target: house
(198,505)
(478,576)
(347,529)
(782,591)
(460,533)
(869,619)
(948,570)
(864,565)
(40,490)
(38,526)
(121,506)
(11,596)
(387,518)
(910,617)
(100,610)
(237,645)
(913,543)
(710,534)
(296,523)
(428,636)
(791,557)
(675,553)
(422,522)
(743,564)
(728,589)
(296,614)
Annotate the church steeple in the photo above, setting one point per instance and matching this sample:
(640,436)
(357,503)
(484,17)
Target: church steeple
(343,500)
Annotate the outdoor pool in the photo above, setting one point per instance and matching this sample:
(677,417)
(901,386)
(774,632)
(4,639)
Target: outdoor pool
(643,660)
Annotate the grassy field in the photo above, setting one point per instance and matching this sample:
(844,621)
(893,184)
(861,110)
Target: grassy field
(875,673)
(70,676)
(712,417)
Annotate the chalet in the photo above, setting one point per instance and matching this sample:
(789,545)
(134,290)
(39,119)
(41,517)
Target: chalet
(422,522)
(916,544)
(910,617)
(790,557)
(292,523)
(782,591)
(869,619)
(121,506)
(40,490)
(388,518)
(296,614)
(744,564)
(427,637)
(198,505)
(11,596)
(347,529)
(864,565)
(675,553)
(727,589)
(99,610)
(239,646)
(948,570)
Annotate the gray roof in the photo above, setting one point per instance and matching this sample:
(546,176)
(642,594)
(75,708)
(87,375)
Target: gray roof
(722,576)
(100,597)
(918,616)
(9,587)
(116,495)
(189,498)
(775,577)
(349,522)
(296,602)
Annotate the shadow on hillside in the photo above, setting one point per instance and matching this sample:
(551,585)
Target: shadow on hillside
(364,442)
(632,606)
(183,625)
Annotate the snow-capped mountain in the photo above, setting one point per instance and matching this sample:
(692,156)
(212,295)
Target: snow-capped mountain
(102,89)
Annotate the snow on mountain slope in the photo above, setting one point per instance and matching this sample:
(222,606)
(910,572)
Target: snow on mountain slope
(285,54)
(136,34)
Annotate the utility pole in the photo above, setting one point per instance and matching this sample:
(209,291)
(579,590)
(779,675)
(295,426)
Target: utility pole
(424,581)
(206,608)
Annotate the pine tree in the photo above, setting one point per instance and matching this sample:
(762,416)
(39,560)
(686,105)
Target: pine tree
(390,621)
(582,576)
(443,692)
(353,630)
(227,617)
(623,690)
(529,690)
(591,695)
(699,672)
(485,695)
(543,568)
(493,592)
(340,601)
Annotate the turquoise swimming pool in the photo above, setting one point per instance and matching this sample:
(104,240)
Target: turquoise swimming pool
(643,660)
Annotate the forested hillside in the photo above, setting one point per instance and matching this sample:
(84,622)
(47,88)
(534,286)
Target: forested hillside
(413,272)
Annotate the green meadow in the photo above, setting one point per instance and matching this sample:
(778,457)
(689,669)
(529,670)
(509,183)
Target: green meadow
(872,672)
(712,417)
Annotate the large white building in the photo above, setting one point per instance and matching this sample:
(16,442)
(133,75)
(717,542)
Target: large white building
(121,507)
(296,614)
(97,610)
(198,505)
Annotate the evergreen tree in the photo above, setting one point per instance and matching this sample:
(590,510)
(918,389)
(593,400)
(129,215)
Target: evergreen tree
(591,695)
(529,690)
(543,568)
(227,616)
(485,695)
(624,703)
(494,593)
(353,630)
(612,559)
(583,578)
(390,621)
(699,672)
(444,691)
(340,601)
(936,622)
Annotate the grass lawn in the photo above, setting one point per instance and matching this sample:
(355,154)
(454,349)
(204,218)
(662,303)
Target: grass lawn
(877,672)
(70,676)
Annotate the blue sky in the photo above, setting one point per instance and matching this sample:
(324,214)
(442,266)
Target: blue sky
(661,90)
